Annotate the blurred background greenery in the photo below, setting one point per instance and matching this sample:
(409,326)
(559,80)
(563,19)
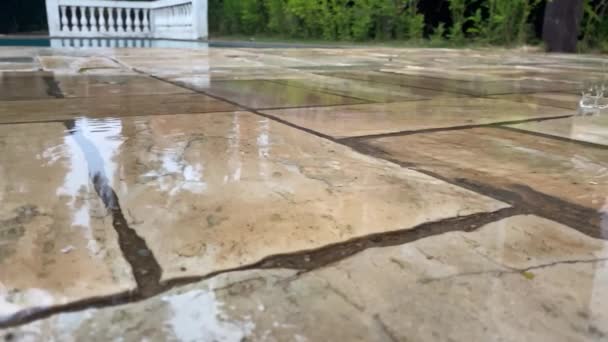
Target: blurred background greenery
(412,22)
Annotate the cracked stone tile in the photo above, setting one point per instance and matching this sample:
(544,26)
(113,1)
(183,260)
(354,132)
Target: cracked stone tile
(109,106)
(57,243)
(369,119)
(523,278)
(260,94)
(588,128)
(213,192)
(114,85)
(574,173)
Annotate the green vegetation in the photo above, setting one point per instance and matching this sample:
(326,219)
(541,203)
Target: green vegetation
(482,22)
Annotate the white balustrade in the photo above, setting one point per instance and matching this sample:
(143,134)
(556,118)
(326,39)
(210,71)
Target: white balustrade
(170,19)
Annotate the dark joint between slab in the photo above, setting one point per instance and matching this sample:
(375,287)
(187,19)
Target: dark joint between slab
(304,261)
(555,137)
(145,268)
(583,219)
(452,128)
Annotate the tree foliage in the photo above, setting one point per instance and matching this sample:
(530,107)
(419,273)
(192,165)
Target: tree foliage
(497,22)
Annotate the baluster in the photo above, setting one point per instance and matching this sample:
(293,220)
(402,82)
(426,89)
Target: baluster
(137,20)
(102,19)
(72,18)
(111,20)
(93,19)
(146,22)
(119,20)
(128,22)
(81,18)
(64,19)
(86,16)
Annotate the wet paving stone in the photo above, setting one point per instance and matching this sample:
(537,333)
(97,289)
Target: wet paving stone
(218,191)
(367,91)
(133,206)
(114,85)
(587,128)
(472,87)
(522,278)
(561,100)
(57,243)
(370,119)
(26,86)
(109,106)
(498,157)
(260,94)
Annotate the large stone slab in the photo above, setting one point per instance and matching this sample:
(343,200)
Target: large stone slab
(216,191)
(109,106)
(519,279)
(260,94)
(57,243)
(368,119)
(588,128)
(572,172)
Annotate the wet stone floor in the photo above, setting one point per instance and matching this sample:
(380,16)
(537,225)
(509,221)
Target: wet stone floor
(229,194)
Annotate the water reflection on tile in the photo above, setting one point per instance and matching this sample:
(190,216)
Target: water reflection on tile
(574,173)
(57,243)
(367,119)
(522,278)
(114,85)
(25,86)
(473,87)
(259,94)
(109,106)
(211,192)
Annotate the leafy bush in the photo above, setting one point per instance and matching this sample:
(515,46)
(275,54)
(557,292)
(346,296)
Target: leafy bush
(496,22)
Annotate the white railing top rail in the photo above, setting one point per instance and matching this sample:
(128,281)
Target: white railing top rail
(153,4)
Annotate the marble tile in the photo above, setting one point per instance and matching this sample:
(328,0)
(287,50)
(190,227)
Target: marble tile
(213,192)
(114,85)
(368,119)
(260,94)
(574,173)
(25,86)
(520,279)
(588,128)
(470,87)
(57,243)
(109,106)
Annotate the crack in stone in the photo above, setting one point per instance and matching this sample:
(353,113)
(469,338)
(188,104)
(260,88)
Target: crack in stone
(304,262)
(511,270)
(145,268)
(385,329)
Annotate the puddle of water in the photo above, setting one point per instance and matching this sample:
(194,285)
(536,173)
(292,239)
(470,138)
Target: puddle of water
(593,101)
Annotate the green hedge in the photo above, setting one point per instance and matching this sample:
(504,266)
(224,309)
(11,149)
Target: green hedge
(498,22)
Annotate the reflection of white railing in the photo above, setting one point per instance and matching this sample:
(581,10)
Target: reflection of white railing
(171,19)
